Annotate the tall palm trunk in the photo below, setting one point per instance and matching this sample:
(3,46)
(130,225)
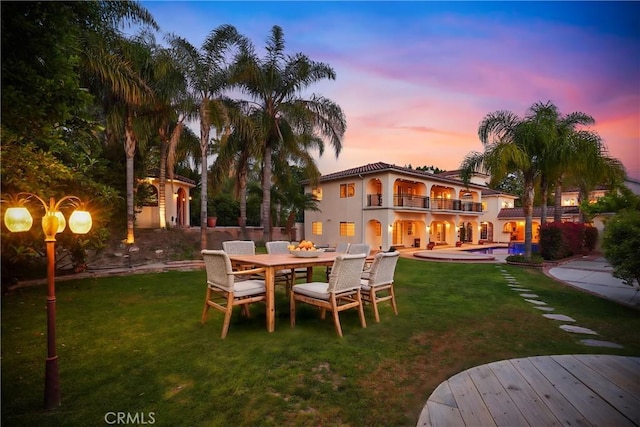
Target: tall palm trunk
(265,217)
(130,152)
(544,194)
(204,151)
(242,184)
(557,212)
(162,178)
(527,205)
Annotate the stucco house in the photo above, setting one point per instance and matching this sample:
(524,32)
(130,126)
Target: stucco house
(177,196)
(386,205)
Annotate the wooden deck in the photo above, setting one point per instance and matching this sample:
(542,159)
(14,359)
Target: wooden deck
(567,390)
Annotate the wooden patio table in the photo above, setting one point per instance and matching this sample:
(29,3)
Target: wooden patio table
(275,262)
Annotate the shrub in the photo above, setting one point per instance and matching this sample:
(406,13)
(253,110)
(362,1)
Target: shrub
(621,245)
(551,246)
(535,259)
(590,237)
(561,240)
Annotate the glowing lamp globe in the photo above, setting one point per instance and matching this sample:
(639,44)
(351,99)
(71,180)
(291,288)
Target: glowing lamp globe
(18,219)
(80,222)
(62,223)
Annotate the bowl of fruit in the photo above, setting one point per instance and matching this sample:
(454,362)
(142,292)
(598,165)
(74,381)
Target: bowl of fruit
(305,249)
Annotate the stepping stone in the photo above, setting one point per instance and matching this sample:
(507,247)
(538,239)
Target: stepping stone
(536,302)
(513,285)
(560,317)
(597,343)
(577,330)
(545,308)
(529,296)
(520,289)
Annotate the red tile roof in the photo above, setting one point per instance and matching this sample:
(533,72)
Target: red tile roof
(373,168)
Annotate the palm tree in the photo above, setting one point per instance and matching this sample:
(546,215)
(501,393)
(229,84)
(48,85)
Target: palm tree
(206,71)
(512,144)
(592,166)
(168,111)
(275,85)
(125,118)
(566,148)
(235,156)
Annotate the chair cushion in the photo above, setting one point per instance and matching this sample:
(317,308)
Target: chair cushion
(244,288)
(364,285)
(249,287)
(314,290)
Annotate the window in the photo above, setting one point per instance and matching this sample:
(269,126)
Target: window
(347,228)
(484,231)
(316,228)
(317,193)
(347,190)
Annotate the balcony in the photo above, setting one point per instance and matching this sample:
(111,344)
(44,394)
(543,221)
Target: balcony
(410,201)
(422,202)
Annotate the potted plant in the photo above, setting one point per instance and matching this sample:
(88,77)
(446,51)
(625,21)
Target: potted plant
(212,217)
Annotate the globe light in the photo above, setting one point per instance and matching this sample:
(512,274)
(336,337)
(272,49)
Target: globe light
(80,222)
(62,223)
(18,219)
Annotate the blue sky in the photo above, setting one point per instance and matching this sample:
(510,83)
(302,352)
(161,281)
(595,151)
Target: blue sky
(416,78)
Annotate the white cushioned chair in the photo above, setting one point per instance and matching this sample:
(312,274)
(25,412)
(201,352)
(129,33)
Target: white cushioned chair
(341,292)
(377,282)
(224,292)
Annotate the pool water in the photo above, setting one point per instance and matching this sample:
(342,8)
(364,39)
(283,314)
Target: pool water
(513,249)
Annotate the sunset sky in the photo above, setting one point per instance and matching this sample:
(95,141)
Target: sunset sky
(416,78)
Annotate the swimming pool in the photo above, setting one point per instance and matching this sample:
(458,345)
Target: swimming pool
(516,248)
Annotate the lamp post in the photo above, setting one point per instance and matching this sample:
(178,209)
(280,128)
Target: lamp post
(17,219)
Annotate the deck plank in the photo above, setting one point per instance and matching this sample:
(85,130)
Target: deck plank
(501,407)
(586,401)
(561,408)
(437,414)
(443,394)
(569,390)
(532,406)
(620,399)
(620,370)
(473,410)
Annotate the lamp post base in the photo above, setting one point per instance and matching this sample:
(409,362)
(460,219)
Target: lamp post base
(51,385)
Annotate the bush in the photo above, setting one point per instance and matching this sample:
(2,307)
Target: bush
(561,240)
(551,246)
(535,259)
(621,245)
(590,237)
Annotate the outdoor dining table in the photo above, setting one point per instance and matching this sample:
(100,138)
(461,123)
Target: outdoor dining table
(275,262)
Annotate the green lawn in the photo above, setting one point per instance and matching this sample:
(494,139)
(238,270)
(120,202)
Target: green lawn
(135,345)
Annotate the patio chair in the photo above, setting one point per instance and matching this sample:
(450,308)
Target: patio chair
(379,279)
(282,247)
(241,247)
(341,248)
(224,292)
(340,293)
(361,248)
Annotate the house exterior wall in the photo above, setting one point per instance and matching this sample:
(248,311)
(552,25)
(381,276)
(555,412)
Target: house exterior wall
(177,196)
(393,208)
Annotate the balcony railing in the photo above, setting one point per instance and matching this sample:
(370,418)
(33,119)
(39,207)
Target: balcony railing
(404,200)
(422,202)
